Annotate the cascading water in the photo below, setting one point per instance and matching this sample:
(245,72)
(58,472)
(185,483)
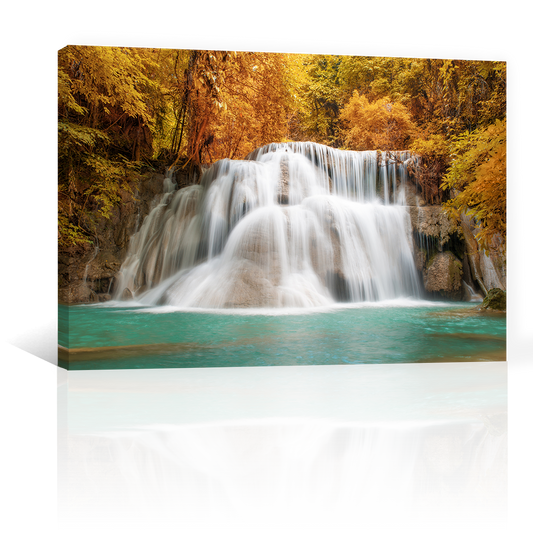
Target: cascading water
(281,476)
(293,225)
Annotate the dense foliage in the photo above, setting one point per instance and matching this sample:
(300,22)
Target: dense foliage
(477,175)
(123,111)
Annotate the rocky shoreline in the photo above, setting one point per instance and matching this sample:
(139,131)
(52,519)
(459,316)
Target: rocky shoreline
(448,466)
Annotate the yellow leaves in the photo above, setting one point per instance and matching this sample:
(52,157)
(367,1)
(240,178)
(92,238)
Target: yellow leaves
(65,96)
(378,125)
(107,77)
(478,174)
(243,103)
(433,146)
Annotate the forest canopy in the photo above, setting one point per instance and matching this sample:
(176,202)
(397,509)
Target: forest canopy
(124,112)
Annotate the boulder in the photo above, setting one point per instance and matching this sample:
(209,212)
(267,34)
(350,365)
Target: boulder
(443,276)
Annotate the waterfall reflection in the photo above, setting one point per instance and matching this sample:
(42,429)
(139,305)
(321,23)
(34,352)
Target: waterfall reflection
(100,399)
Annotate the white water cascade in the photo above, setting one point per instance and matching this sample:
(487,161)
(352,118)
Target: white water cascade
(293,225)
(294,476)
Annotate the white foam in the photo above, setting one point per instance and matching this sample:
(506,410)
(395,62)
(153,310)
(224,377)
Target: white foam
(281,311)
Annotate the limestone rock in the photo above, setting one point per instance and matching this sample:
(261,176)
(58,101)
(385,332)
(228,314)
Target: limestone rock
(432,222)
(443,275)
(251,288)
(412,198)
(488,270)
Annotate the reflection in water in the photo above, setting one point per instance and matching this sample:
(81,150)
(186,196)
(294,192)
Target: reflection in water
(105,400)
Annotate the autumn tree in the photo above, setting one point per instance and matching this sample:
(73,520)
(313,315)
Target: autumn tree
(257,104)
(445,97)
(235,102)
(430,162)
(378,125)
(472,95)
(477,179)
(108,102)
(122,108)
(322,92)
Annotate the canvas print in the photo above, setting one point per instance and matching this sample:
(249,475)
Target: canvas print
(229,208)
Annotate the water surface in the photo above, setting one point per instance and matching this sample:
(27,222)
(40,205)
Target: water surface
(420,361)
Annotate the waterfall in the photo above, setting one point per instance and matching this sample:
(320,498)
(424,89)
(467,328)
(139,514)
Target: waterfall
(292,225)
(297,475)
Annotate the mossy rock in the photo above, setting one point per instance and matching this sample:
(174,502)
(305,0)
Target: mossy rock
(496,299)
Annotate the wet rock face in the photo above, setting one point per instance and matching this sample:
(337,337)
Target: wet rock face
(431,223)
(85,273)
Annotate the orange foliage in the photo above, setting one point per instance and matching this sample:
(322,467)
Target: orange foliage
(378,125)
(236,102)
